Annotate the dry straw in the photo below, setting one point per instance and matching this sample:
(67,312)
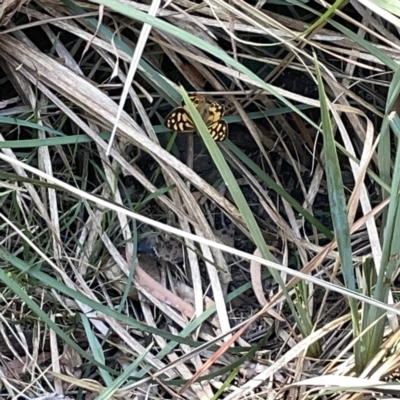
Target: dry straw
(8,8)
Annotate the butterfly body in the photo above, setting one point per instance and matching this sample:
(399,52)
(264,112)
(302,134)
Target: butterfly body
(179,119)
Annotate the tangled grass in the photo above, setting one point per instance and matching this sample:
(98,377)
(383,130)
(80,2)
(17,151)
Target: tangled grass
(132,257)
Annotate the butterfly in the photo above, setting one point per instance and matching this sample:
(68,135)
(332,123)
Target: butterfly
(179,119)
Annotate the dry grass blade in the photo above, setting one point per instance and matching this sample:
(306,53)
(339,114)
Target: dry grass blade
(8,9)
(135,273)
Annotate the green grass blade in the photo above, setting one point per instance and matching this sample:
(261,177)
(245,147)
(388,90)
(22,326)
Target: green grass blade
(110,391)
(370,48)
(390,219)
(278,189)
(337,202)
(96,349)
(238,196)
(61,139)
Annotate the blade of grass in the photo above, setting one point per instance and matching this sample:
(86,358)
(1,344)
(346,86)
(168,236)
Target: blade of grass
(238,197)
(390,222)
(226,383)
(337,202)
(370,48)
(96,349)
(322,19)
(390,263)
(386,9)
(278,189)
(137,55)
(108,393)
(76,139)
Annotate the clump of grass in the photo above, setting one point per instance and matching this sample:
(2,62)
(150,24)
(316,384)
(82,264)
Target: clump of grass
(100,203)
